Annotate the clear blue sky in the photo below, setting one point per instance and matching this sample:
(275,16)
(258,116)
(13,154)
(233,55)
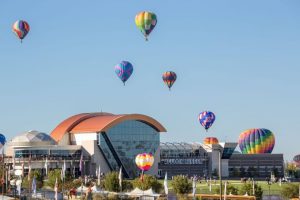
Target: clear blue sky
(239,59)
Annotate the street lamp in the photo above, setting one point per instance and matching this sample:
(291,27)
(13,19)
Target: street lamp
(269,184)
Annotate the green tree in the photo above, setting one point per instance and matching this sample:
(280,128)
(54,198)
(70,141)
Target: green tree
(214,172)
(181,185)
(235,172)
(251,171)
(290,169)
(38,177)
(290,190)
(275,172)
(52,176)
(147,183)
(111,182)
(242,172)
(248,188)
(230,189)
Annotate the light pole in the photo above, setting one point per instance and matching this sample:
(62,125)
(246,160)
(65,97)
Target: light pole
(220,173)
(269,184)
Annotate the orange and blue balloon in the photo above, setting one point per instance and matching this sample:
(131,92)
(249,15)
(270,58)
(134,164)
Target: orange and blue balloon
(256,141)
(144,161)
(206,119)
(124,70)
(169,78)
(211,140)
(21,29)
(145,21)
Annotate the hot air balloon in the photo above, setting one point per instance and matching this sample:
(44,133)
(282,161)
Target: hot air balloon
(211,140)
(2,140)
(124,70)
(145,21)
(169,78)
(144,161)
(256,141)
(21,28)
(296,159)
(206,119)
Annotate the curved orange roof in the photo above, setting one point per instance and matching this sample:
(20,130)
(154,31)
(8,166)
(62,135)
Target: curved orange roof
(98,122)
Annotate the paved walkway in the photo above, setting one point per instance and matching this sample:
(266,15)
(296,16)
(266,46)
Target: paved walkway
(2,197)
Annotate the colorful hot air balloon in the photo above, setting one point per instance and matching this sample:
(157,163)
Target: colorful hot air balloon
(169,78)
(206,119)
(211,140)
(296,159)
(2,140)
(256,141)
(145,21)
(124,70)
(144,161)
(21,28)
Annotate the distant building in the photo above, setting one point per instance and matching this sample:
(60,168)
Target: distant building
(112,141)
(104,139)
(203,160)
(256,165)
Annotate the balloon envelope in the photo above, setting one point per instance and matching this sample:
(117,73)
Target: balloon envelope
(206,119)
(144,161)
(2,140)
(256,141)
(21,28)
(296,159)
(145,21)
(124,70)
(169,78)
(211,140)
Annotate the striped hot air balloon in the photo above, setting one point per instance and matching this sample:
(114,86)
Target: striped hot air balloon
(20,28)
(144,161)
(169,78)
(145,21)
(256,141)
(211,140)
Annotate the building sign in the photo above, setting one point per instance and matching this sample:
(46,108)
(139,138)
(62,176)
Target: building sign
(180,161)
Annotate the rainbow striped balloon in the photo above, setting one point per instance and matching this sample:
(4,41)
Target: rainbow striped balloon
(145,21)
(144,161)
(256,141)
(211,140)
(21,28)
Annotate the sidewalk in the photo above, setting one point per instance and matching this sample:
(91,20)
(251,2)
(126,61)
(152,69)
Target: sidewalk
(2,197)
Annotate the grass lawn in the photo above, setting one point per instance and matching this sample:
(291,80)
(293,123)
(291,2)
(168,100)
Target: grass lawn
(204,187)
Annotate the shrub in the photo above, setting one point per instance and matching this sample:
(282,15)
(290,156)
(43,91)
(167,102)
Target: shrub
(181,185)
(38,178)
(290,190)
(111,182)
(229,189)
(147,183)
(248,188)
(127,186)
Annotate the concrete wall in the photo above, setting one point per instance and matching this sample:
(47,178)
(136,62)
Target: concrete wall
(97,158)
(225,169)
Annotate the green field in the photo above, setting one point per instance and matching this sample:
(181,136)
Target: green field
(203,188)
